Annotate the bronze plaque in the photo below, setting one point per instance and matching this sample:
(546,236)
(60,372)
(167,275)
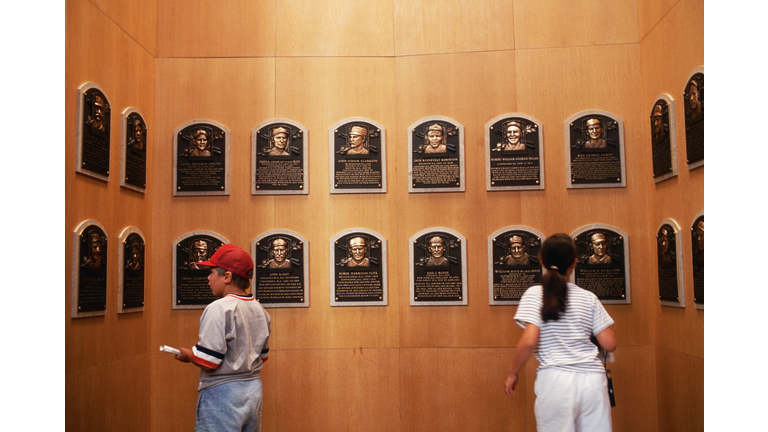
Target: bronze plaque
(190,282)
(667,257)
(513,153)
(201,159)
(357,157)
(697,246)
(359,268)
(438,268)
(91,273)
(436,155)
(663,146)
(280,162)
(594,145)
(131,281)
(603,263)
(134,151)
(93,127)
(281,273)
(693,101)
(513,263)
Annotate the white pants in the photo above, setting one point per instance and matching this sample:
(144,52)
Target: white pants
(569,401)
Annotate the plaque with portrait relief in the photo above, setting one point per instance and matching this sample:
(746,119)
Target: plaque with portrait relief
(201,159)
(438,268)
(514,157)
(663,139)
(358,156)
(280,158)
(594,148)
(669,253)
(693,101)
(281,270)
(133,151)
(436,155)
(697,258)
(603,263)
(513,263)
(358,268)
(190,280)
(89,270)
(94,113)
(130,272)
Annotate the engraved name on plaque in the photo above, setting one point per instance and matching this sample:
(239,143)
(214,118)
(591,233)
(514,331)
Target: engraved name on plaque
(201,159)
(514,158)
(358,268)
(281,271)
(280,157)
(603,263)
(663,140)
(669,252)
(89,270)
(697,258)
(93,127)
(594,148)
(436,155)
(133,146)
(357,153)
(693,101)
(513,263)
(130,272)
(438,268)
(190,280)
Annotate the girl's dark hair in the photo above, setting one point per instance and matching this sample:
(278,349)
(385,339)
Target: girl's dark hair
(237,280)
(557,254)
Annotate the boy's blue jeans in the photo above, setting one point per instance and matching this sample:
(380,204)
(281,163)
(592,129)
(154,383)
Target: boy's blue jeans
(234,406)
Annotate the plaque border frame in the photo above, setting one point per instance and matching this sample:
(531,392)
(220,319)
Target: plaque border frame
(124,148)
(462,160)
(332,152)
(76,269)
(121,269)
(79,131)
(680,263)
(498,232)
(305,159)
(697,164)
(411,258)
(215,235)
(628,297)
(672,138)
(699,306)
(491,188)
(567,133)
(332,265)
(227,136)
(305,265)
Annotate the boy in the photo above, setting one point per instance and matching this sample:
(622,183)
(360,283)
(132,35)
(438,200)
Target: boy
(233,346)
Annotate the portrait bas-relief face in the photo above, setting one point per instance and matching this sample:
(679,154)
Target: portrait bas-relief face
(280,254)
(694,98)
(137,132)
(134,249)
(516,251)
(95,243)
(358,251)
(436,248)
(279,142)
(598,245)
(199,251)
(100,111)
(665,239)
(659,120)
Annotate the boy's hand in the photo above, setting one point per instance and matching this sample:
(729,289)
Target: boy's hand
(185,356)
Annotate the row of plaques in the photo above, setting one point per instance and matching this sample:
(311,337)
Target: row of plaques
(358,267)
(514,156)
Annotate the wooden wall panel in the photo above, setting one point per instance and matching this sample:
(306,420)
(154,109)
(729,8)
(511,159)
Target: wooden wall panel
(125,71)
(109,397)
(666,67)
(434,26)
(458,389)
(680,390)
(335,28)
(138,18)
(338,390)
(649,13)
(563,23)
(211,28)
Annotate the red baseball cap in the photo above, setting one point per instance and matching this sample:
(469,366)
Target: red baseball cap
(231,258)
